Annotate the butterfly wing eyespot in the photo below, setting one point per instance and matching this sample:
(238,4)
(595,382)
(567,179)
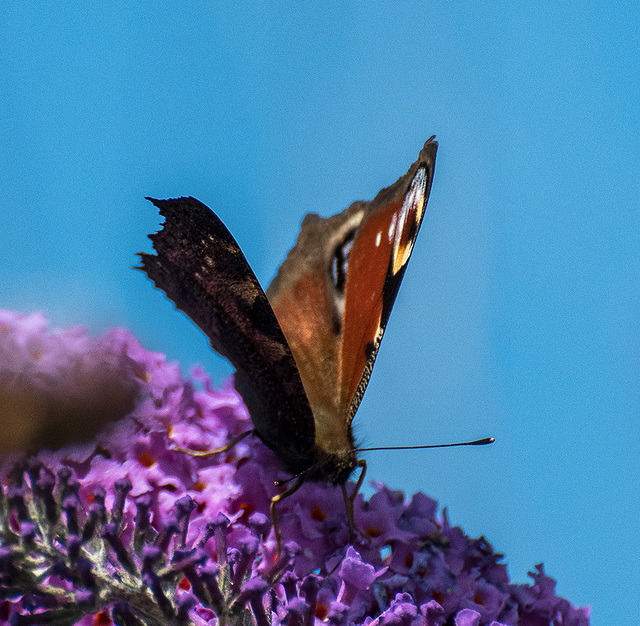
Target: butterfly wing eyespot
(340,261)
(409,220)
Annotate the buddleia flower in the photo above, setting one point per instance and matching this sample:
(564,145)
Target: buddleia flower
(103,520)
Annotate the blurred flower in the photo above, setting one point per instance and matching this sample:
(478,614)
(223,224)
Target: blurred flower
(124,529)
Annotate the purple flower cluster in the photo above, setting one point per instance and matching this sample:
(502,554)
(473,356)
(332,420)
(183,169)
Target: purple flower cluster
(122,528)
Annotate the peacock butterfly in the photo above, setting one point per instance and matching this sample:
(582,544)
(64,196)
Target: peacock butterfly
(303,352)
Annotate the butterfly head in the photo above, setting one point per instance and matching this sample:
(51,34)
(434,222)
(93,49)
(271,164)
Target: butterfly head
(335,466)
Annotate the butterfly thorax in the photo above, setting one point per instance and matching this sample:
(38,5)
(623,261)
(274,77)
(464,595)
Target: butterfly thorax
(334,449)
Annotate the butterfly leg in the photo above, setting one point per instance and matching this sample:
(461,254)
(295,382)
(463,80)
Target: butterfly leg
(274,513)
(349,500)
(210,453)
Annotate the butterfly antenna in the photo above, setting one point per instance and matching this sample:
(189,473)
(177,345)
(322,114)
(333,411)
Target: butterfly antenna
(477,442)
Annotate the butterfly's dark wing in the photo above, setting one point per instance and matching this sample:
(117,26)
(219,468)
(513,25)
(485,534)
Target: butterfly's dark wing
(201,268)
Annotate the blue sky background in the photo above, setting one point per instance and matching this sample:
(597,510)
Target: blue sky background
(518,316)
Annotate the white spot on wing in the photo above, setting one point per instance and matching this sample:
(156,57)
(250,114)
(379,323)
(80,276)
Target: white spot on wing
(392,226)
(378,239)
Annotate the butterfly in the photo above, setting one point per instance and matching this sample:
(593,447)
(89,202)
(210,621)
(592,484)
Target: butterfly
(303,351)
